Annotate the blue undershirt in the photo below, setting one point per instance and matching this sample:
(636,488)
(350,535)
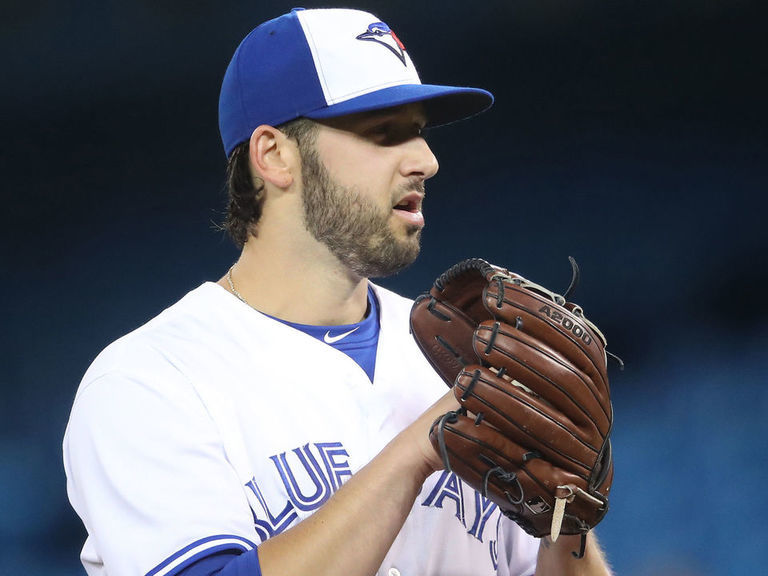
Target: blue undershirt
(358,341)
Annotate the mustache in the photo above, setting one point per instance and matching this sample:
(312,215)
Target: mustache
(413,185)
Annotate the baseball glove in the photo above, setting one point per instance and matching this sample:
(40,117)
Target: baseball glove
(529,371)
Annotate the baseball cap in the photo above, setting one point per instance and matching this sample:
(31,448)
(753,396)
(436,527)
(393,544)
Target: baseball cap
(328,62)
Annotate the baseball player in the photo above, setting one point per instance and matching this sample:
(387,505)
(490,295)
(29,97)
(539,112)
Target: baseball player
(276,422)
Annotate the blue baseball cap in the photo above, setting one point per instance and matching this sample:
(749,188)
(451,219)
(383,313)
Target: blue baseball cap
(324,63)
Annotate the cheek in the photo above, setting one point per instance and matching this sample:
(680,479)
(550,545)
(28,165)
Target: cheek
(357,164)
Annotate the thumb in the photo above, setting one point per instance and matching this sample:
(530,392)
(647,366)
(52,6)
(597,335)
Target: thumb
(419,430)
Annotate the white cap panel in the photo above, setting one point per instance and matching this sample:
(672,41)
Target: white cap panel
(354,53)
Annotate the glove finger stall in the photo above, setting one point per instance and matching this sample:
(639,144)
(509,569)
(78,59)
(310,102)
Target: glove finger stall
(513,477)
(525,419)
(547,373)
(443,332)
(556,326)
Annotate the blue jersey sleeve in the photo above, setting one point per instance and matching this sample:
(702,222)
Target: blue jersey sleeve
(228,563)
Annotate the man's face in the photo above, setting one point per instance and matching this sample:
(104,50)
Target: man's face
(363,188)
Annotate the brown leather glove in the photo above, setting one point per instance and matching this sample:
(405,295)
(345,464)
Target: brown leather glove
(530,373)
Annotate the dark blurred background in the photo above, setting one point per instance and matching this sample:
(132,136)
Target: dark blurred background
(628,134)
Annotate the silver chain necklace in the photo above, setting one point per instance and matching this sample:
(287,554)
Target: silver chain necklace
(232,287)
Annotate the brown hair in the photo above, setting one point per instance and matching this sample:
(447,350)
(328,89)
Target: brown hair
(245,191)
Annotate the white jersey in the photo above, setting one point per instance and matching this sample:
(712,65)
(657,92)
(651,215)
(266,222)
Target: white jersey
(214,427)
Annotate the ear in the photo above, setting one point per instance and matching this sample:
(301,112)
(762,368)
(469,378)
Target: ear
(273,156)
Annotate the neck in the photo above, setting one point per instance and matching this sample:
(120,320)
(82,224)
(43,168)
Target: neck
(302,290)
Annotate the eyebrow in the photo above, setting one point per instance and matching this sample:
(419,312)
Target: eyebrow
(395,112)
(363,120)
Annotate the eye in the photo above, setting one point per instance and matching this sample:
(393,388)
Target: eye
(381,129)
(390,133)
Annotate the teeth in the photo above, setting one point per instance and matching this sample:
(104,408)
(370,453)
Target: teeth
(409,203)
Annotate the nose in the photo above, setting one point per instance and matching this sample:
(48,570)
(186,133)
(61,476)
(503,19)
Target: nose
(418,160)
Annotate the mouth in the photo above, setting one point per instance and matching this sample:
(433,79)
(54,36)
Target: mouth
(410,202)
(409,209)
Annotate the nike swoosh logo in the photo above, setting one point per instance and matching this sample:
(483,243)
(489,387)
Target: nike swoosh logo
(328,339)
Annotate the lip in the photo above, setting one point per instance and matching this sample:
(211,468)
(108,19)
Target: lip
(410,209)
(412,202)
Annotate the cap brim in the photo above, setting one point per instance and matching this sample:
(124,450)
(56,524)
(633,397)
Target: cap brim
(442,104)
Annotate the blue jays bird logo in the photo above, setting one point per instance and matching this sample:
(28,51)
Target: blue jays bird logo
(382,34)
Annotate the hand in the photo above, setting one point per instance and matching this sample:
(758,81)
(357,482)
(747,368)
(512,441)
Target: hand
(417,434)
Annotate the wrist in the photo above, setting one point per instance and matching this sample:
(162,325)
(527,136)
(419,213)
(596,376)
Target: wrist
(574,554)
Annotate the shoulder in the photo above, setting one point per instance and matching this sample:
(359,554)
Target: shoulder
(148,353)
(137,389)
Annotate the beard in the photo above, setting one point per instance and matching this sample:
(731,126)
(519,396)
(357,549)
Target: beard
(355,230)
